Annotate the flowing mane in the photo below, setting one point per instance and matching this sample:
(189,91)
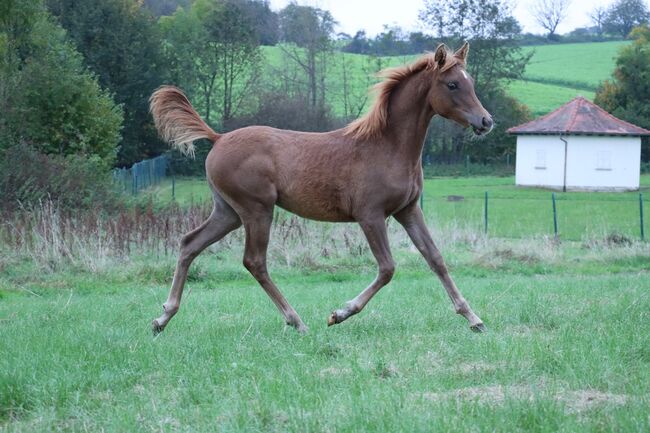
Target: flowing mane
(375,120)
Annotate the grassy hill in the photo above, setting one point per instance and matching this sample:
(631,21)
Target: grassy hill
(555,75)
(558,73)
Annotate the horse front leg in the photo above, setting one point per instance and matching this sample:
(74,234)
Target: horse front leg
(375,232)
(412,220)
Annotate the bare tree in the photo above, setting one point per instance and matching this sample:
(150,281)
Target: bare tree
(306,33)
(549,14)
(598,15)
(355,96)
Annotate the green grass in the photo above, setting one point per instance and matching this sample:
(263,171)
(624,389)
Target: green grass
(527,212)
(583,66)
(565,351)
(558,73)
(542,98)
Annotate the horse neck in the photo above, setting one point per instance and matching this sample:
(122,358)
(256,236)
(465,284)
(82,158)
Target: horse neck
(409,115)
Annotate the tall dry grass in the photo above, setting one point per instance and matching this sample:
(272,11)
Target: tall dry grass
(54,239)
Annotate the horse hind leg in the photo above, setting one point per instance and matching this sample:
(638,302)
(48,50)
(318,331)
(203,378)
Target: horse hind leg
(221,221)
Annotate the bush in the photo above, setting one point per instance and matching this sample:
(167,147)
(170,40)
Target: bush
(28,177)
(50,100)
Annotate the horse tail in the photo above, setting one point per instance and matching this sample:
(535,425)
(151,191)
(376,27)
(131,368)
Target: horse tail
(177,121)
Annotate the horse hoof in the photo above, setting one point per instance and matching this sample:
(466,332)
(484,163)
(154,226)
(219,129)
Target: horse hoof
(478,328)
(156,328)
(332,319)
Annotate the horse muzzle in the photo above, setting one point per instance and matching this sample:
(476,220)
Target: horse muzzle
(482,126)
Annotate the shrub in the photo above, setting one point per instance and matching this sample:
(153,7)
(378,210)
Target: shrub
(28,177)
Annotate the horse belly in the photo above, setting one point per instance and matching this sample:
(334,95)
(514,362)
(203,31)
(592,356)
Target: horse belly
(319,207)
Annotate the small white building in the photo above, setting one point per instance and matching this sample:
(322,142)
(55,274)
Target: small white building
(577,147)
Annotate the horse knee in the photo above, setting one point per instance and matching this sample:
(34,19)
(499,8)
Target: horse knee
(254,265)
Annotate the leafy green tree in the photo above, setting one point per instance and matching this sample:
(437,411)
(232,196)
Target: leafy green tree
(214,47)
(48,99)
(624,15)
(120,43)
(626,96)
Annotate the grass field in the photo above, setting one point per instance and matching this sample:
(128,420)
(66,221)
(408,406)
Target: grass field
(582,66)
(566,349)
(542,98)
(513,212)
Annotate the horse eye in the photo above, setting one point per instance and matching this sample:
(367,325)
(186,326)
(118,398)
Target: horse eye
(452,86)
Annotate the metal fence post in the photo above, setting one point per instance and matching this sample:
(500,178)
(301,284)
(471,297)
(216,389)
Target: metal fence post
(554,215)
(641,215)
(485,216)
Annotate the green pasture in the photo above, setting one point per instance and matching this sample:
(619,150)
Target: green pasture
(542,98)
(566,348)
(513,212)
(583,66)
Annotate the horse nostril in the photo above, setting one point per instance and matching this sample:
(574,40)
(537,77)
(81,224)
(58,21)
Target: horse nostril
(487,122)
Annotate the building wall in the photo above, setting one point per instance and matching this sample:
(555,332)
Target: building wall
(603,162)
(593,162)
(540,161)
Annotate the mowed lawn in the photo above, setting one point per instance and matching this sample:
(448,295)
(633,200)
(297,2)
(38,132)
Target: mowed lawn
(567,347)
(513,212)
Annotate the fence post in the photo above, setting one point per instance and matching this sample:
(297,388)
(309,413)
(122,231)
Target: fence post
(641,215)
(467,165)
(485,216)
(554,215)
(173,187)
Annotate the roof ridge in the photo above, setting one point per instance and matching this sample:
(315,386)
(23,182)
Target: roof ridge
(574,117)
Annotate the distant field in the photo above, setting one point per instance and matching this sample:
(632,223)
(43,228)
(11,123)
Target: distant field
(542,98)
(558,73)
(555,75)
(582,66)
(513,212)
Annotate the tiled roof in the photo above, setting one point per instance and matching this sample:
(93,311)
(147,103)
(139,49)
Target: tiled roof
(579,117)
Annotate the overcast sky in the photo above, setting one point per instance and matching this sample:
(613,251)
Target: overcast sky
(371,15)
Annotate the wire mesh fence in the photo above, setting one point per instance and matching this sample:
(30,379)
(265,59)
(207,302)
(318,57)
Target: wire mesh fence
(141,175)
(568,216)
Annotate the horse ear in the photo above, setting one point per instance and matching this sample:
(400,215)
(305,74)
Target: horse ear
(441,55)
(462,51)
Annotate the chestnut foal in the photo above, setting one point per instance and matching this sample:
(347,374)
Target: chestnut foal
(364,173)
